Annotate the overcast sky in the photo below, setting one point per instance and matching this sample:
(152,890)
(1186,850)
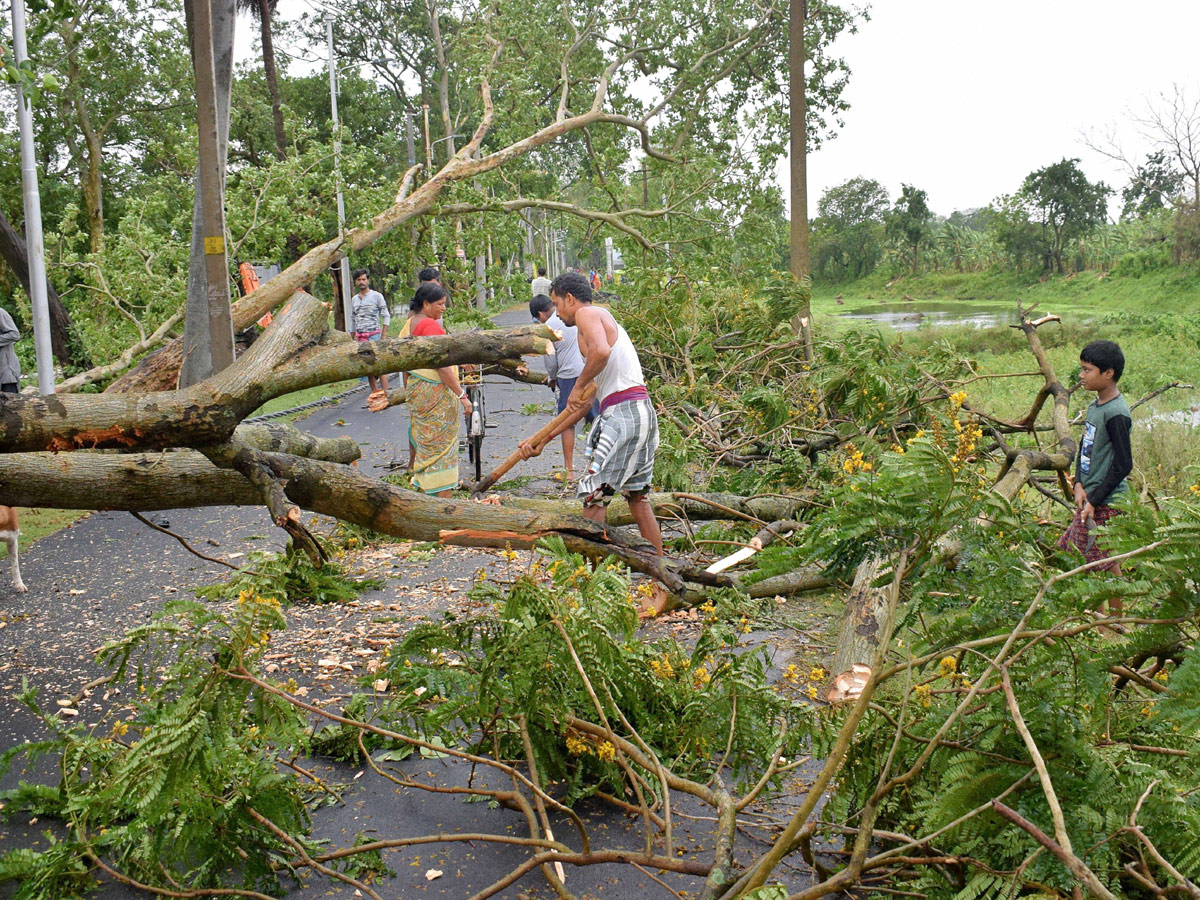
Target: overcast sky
(963,99)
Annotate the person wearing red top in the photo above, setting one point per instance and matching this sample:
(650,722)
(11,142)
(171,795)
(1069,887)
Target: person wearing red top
(434,399)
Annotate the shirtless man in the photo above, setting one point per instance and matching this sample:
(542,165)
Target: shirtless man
(625,436)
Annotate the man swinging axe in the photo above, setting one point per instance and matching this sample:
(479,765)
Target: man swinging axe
(624,438)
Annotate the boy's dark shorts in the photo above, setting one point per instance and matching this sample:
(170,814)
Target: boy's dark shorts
(1087,540)
(565,386)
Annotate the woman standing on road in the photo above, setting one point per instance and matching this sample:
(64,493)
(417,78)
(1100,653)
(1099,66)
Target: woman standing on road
(434,398)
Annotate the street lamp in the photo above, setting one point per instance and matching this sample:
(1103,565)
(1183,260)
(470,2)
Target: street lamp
(347,301)
(33,216)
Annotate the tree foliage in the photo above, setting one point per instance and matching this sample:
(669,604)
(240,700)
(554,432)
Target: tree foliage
(1065,205)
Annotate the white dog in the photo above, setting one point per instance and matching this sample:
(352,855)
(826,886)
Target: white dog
(10,532)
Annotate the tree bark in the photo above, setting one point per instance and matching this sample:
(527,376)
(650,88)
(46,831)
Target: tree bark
(863,619)
(272,76)
(16,254)
(700,506)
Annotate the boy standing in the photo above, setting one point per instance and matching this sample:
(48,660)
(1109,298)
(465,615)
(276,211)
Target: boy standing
(563,368)
(1105,457)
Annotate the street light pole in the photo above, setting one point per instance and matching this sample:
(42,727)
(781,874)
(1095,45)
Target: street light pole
(33,215)
(347,300)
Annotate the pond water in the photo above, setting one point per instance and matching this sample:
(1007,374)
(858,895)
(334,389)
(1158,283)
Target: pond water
(909,316)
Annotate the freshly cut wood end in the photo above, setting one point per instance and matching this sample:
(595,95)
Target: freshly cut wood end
(550,345)
(731,560)
(377,401)
(849,685)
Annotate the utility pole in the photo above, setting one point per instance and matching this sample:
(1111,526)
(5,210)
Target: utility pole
(798,109)
(344,267)
(412,161)
(33,215)
(428,175)
(210,186)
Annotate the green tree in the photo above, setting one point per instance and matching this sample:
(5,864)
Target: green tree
(122,72)
(1011,229)
(1065,205)
(848,230)
(1154,185)
(910,222)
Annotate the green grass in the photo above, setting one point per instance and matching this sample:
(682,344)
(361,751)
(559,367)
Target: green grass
(1175,290)
(287,401)
(38,523)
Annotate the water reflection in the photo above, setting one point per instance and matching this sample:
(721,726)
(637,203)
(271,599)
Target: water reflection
(911,316)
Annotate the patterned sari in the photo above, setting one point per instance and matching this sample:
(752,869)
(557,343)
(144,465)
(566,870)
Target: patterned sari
(434,432)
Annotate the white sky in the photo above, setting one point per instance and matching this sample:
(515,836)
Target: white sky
(964,98)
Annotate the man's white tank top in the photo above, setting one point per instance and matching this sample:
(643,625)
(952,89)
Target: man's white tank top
(623,370)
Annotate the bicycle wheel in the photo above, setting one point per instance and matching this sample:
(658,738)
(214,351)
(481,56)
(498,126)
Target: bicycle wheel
(476,444)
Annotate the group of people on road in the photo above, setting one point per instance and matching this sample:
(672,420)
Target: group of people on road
(594,349)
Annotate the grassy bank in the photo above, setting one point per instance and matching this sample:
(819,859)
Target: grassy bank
(1174,291)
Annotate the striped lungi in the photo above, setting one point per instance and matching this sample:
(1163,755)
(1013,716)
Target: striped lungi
(623,441)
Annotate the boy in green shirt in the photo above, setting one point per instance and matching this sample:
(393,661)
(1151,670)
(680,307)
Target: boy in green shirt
(1105,456)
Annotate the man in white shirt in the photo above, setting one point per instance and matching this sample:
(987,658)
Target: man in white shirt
(540,285)
(624,437)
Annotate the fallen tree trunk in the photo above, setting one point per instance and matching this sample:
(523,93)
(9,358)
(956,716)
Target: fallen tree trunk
(296,352)
(185,478)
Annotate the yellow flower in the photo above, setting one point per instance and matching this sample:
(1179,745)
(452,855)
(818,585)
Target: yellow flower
(947,666)
(662,668)
(606,751)
(816,673)
(576,747)
(700,677)
(924,695)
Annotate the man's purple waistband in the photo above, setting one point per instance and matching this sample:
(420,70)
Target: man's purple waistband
(637,392)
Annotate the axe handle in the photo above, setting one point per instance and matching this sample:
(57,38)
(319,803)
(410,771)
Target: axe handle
(540,440)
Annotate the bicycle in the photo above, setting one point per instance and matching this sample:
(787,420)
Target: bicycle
(476,421)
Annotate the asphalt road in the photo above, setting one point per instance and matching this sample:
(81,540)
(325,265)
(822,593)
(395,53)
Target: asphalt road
(109,573)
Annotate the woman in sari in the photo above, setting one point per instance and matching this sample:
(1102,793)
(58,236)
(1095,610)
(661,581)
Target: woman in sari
(434,400)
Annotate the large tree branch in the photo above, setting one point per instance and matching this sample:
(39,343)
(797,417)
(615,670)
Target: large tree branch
(291,355)
(615,219)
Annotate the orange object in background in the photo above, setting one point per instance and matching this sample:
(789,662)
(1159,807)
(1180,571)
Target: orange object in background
(250,283)
(249,278)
